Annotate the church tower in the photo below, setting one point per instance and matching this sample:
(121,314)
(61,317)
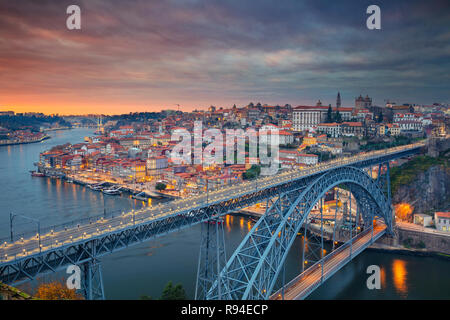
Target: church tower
(338,100)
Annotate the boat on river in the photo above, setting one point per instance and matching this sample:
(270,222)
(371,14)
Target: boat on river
(37,174)
(141,196)
(114,190)
(98,186)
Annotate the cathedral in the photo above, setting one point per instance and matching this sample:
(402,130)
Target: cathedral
(363,103)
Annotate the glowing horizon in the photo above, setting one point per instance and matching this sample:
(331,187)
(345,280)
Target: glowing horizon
(139,56)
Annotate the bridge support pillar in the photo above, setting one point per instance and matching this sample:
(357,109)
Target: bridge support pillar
(92,280)
(384,181)
(313,249)
(212,257)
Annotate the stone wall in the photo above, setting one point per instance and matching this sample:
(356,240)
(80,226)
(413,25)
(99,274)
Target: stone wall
(433,242)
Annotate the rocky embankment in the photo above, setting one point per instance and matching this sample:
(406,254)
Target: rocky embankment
(423,182)
(428,191)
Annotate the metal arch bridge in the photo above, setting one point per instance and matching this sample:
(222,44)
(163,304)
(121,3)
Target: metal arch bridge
(253,269)
(83,243)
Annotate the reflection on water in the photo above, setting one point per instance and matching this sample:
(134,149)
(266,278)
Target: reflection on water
(400,274)
(383,277)
(227,223)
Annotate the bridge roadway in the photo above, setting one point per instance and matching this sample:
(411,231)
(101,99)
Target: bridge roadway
(305,283)
(25,248)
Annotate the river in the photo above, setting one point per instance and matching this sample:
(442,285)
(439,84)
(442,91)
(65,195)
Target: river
(145,269)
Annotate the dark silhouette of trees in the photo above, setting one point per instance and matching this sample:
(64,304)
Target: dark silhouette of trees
(329,115)
(172,292)
(160,186)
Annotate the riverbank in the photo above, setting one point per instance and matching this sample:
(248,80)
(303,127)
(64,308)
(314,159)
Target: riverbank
(136,191)
(17,141)
(377,247)
(55,129)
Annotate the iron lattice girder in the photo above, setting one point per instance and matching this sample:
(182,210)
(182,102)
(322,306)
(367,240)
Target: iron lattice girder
(253,269)
(92,280)
(212,256)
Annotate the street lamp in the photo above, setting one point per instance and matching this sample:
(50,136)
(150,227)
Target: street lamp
(104,205)
(207,190)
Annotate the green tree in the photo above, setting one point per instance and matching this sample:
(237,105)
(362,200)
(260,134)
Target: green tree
(338,116)
(252,173)
(160,186)
(172,292)
(380,117)
(329,114)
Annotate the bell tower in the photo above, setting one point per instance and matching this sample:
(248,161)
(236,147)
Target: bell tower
(338,100)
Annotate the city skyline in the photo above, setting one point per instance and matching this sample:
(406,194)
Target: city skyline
(149,57)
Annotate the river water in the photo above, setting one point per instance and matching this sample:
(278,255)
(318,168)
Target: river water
(145,269)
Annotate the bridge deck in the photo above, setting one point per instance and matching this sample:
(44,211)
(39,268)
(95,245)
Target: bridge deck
(305,283)
(26,247)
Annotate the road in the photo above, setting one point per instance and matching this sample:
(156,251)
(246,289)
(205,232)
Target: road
(414,227)
(302,285)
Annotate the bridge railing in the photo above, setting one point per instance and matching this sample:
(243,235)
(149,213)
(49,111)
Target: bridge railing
(19,236)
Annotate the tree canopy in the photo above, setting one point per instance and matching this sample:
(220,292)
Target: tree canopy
(56,291)
(160,186)
(172,292)
(252,173)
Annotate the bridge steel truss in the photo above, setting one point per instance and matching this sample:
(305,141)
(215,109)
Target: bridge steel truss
(253,269)
(281,216)
(212,256)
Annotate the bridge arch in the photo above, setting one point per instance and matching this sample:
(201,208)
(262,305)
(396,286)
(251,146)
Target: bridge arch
(252,270)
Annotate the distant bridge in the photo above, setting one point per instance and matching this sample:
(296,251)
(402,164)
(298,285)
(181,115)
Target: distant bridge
(252,271)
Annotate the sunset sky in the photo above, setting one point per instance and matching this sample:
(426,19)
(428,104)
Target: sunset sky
(151,55)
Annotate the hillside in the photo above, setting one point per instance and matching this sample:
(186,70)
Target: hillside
(423,182)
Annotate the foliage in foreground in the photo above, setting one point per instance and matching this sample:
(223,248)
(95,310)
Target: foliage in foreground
(170,292)
(56,291)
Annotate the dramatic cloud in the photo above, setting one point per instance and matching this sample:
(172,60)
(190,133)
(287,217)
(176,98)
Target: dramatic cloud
(146,55)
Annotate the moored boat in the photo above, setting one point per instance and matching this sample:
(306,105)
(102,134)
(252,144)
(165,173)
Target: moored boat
(37,174)
(112,191)
(141,196)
